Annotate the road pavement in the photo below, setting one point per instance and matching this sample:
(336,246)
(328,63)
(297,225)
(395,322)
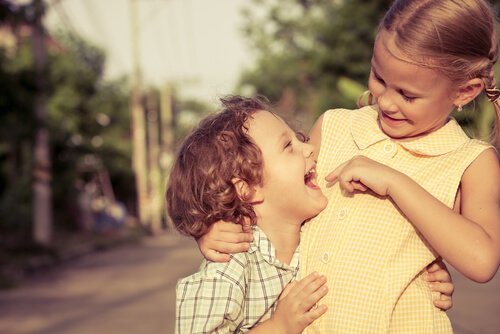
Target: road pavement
(131,290)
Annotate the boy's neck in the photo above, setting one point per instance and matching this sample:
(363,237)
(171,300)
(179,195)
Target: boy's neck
(285,237)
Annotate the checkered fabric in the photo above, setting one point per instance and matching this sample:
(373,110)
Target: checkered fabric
(372,256)
(232,297)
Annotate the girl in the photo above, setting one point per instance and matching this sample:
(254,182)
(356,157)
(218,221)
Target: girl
(434,192)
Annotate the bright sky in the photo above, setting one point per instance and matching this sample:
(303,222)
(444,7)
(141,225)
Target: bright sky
(196,43)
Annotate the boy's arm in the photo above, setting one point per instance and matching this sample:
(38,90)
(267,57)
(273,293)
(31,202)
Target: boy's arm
(207,304)
(469,241)
(298,308)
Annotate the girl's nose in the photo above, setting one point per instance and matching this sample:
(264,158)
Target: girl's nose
(385,103)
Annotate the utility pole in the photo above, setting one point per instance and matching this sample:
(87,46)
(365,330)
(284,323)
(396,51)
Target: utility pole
(154,179)
(138,125)
(42,190)
(166,133)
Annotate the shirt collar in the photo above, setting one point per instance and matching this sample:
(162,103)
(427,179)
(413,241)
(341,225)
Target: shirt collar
(262,244)
(365,131)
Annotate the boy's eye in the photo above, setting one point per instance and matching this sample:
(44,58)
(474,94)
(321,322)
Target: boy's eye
(303,138)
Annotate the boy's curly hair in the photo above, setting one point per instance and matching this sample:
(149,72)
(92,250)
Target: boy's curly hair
(201,188)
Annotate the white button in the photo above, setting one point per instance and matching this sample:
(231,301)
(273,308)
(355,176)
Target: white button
(325,258)
(342,213)
(389,147)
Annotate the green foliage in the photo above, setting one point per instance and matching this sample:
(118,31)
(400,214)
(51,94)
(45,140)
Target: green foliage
(88,120)
(319,51)
(306,47)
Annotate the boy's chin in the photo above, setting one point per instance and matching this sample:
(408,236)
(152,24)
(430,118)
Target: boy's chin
(320,205)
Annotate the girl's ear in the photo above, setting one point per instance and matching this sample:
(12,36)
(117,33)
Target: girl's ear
(247,193)
(468,91)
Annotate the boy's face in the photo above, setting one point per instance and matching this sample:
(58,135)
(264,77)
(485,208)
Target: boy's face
(289,191)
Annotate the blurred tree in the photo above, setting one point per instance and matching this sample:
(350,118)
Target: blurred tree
(304,48)
(89,125)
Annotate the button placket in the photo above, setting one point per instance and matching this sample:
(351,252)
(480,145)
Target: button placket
(342,213)
(389,147)
(325,258)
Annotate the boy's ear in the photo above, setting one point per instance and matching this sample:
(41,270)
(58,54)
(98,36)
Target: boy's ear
(247,193)
(468,91)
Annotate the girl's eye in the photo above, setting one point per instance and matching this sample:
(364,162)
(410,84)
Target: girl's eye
(406,97)
(379,79)
(288,145)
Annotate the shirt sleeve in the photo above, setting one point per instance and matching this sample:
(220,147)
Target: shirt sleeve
(208,305)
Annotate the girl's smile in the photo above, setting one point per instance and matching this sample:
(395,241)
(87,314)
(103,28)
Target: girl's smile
(413,100)
(391,121)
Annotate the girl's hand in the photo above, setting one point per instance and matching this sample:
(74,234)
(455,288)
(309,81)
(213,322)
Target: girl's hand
(222,239)
(297,307)
(362,173)
(439,279)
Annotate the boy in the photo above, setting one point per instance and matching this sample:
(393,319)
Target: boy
(246,163)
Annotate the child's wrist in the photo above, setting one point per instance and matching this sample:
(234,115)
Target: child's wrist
(277,326)
(395,182)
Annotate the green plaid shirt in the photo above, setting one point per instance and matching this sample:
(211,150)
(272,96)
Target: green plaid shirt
(233,297)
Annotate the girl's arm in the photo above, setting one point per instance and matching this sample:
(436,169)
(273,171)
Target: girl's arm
(469,241)
(224,238)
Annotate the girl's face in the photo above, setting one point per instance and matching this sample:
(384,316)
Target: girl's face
(413,100)
(289,192)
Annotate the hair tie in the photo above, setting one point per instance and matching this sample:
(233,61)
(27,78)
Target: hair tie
(493,94)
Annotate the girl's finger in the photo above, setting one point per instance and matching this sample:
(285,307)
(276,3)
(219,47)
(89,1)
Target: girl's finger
(233,237)
(438,276)
(229,247)
(435,266)
(359,186)
(332,177)
(223,226)
(443,303)
(444,288)
(215,256)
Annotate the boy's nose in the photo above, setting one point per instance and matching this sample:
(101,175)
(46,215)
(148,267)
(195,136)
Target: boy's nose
(308,150)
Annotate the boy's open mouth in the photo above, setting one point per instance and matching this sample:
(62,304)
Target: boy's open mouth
(310,178)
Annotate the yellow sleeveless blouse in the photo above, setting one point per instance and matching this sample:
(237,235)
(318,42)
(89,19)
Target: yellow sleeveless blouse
(372,256)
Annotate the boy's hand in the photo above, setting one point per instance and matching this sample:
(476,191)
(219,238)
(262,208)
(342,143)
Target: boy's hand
(439,279)
(297,307)
(361,173)
(222,239)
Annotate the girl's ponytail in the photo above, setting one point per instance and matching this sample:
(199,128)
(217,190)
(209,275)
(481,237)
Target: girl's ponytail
(493,94)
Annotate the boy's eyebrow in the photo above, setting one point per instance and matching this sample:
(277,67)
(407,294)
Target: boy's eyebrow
(282,137)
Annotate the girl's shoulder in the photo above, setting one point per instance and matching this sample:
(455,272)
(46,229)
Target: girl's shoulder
(368,112)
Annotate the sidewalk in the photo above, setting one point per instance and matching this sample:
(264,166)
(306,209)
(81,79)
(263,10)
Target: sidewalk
(130,289)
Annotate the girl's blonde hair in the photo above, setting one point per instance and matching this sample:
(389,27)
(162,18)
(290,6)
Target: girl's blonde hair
(456,37)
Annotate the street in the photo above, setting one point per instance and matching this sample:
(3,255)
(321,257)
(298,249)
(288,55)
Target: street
(131,290)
